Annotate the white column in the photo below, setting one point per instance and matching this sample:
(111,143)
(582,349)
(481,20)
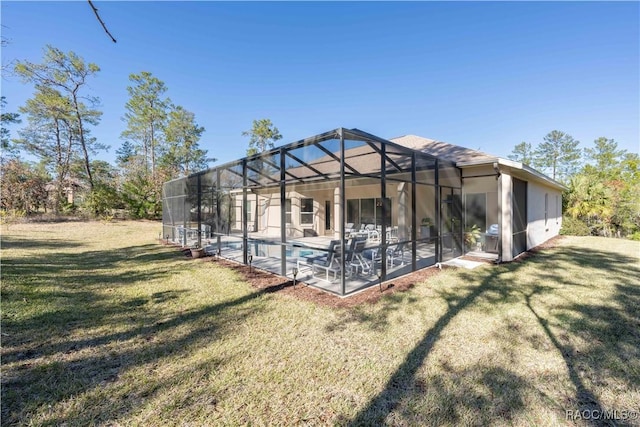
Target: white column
(404,211)
(506,210)
(336,213)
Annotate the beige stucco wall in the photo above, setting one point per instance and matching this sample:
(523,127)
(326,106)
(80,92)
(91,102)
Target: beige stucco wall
(539,231)
(501,190)
(265,217)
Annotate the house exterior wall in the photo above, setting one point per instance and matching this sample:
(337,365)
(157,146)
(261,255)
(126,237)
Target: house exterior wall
(265,209)
(309,169)
(544,213)
(265,217)
(544,205)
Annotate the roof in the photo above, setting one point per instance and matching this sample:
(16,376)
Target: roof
(466,157)
(322,162)
(454,153)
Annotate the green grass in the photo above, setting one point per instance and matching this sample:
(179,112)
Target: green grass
(101,325)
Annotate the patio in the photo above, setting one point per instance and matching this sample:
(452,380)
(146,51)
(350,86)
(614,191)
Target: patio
(361,272)
(283,208)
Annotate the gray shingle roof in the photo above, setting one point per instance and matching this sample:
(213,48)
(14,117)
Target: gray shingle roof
(440,149)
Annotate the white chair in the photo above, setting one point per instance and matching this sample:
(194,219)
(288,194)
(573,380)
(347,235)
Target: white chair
(395,253)
(328,263)
(372,234)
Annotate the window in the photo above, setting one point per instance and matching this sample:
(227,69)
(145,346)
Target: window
(557,209)
(287,210)
(387,208)
(327,214)
(248,209)
(369,211)
(353,211)
(546,208)
(306,211)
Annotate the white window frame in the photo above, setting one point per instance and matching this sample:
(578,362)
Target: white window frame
(546,208)
(306,217)
(288,206)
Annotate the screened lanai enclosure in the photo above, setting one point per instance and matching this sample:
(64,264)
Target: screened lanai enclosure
(341,211)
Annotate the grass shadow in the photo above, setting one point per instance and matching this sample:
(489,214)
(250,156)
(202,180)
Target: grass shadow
(28,386)
(12,243)
(614,323)
(56,300)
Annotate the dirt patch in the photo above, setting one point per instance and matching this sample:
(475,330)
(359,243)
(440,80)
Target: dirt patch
(268,282)
(551,243)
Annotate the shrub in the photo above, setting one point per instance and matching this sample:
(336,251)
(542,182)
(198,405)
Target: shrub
(574,227)
(11,216)
(102,200)
(635,236)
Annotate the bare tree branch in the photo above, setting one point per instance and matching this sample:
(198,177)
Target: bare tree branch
(95,10)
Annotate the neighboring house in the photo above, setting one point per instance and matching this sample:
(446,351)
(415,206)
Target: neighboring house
(411,198)
(71,188)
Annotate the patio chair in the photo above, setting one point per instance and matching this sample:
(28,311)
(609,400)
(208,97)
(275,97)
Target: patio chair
(372,233)
(357,261)
(394,253)
(328,263)
(392,234)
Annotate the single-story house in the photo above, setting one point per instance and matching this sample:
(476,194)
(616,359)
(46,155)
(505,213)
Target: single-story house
(345,209)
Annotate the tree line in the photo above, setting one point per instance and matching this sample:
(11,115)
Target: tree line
(603,183)
(160,143)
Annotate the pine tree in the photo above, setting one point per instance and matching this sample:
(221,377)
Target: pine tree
(558,155)
(262,136)
(522,153)
(67,74)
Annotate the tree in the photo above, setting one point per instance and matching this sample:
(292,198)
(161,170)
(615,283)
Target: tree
(522,153)
(7,149)
(262,136)
(68,74)
(105,196)
(558,154)
(125,154)
(140,155)
(49,135)
(603,194)
(142,197)
(183,154)
(146,116)
(627,209)
(588,199)
(23,187)
(605,156)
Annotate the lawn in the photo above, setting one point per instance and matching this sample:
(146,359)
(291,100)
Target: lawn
(102,325)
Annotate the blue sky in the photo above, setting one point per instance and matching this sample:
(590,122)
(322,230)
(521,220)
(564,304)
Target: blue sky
(482,75)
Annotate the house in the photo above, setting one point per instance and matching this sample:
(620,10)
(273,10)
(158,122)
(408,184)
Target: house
(526,204)
(300,209)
